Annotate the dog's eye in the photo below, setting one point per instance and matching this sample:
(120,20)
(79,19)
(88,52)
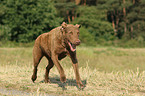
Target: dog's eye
(71,32)
(78,33)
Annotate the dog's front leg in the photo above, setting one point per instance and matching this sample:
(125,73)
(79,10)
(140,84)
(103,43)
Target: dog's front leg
(59,67)
(75,66)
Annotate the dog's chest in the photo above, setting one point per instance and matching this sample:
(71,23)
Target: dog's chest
(63,54)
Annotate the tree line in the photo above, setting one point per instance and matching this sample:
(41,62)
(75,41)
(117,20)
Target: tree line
(103,21)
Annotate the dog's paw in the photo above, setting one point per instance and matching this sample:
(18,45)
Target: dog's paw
(63,79)
(33,78)
(47,81)
(80,85)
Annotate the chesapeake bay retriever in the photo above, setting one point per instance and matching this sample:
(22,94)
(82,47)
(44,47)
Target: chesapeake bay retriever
(55,45)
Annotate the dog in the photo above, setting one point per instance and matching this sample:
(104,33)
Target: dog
(56,45)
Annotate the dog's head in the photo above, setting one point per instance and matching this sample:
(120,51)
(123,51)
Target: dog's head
(71,33)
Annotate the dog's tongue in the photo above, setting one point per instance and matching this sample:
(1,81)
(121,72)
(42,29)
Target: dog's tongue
(72,47)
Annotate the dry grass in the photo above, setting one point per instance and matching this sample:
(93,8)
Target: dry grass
(104,72)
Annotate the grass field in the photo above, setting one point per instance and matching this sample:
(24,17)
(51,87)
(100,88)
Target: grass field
(104,72)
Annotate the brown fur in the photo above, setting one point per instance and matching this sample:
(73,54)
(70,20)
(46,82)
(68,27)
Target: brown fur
(55,45)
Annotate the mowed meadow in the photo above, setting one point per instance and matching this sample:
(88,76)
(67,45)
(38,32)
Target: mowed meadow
(105,71)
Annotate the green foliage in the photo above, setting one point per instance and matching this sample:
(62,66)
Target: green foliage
(86,38)
(95,22)
(65,8)
(104,71)
(29,18)
(134,20)
(105,22)
(4,36)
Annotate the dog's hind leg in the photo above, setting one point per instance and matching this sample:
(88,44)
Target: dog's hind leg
(37,55)
(49,66)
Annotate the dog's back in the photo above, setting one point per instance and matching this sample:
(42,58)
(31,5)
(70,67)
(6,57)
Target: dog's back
(44,42)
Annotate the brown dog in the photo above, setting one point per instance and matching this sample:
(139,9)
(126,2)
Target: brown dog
(55,45)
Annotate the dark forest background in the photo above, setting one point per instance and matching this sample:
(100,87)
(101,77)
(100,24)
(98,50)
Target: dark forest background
(118,23)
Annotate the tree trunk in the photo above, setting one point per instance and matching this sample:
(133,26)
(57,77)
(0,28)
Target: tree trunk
(84,2)
(113,24)
(124,10)
(96,2)
(133,1)
(68,17)
(77,2)
(73,14)
(117,22)
(124,14)
(131,32)
(138,26)
(125,29)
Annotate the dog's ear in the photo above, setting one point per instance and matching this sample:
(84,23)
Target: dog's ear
(77,25)
(64,25)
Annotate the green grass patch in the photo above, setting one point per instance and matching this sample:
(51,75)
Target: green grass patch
(104,71)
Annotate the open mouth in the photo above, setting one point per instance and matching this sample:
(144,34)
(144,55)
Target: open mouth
(72,46)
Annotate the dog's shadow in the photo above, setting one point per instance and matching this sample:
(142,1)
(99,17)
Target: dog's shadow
(69,82)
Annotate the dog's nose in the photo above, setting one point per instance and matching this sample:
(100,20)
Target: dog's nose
(78,42)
